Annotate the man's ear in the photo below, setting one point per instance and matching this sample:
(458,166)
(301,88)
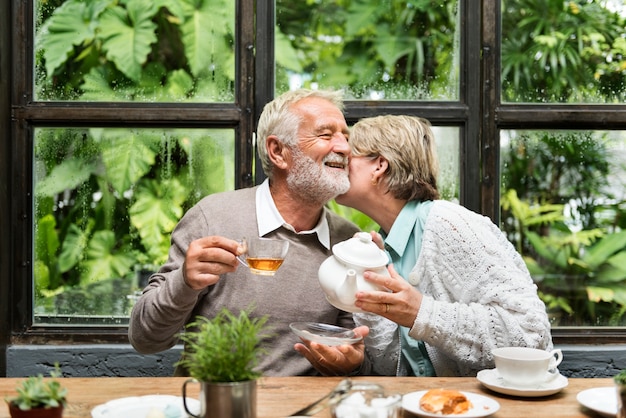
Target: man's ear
(278,153)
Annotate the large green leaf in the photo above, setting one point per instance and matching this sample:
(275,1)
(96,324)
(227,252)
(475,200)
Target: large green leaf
(46,241)
(613,271)
(605,248)
(102,261)
(127,156)
(128,35)
(207,27)
(286,55)
(157,209)
(73,23)
(73,249)
(363,16)
(69,174)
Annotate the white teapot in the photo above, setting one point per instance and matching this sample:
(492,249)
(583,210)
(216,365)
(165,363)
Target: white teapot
(341,275)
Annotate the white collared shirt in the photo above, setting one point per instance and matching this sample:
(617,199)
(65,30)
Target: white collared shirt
(270,219)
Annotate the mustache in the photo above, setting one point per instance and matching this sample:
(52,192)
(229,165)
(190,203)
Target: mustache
(335,158)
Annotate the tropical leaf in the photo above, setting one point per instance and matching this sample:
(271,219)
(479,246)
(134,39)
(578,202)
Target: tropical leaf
(73,248)
(364,15)
(286,55)
(68,174)
(600,294)
(102,262)
(127,156)
(605,248)
(47,242)
(96,86)
(392,48)
(178,85)
(128,34)
(72,24)
(156,211)
(207,27)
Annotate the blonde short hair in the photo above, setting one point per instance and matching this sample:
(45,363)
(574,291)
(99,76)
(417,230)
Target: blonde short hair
(408,144)
(279,119)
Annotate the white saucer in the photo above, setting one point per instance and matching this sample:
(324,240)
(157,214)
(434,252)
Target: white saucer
(482,406)
(326,334)
(491,379)
(601,400)
(140,406)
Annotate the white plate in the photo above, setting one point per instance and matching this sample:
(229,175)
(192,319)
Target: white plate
(141,406)
(600,400)
(491,379)
(324,333)
(482,406)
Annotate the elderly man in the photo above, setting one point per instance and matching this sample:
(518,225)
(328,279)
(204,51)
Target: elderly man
(302,141)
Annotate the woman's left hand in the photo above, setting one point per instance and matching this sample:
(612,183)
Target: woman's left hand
(401,304)
(338,360)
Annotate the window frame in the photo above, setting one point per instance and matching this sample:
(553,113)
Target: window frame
(479,114)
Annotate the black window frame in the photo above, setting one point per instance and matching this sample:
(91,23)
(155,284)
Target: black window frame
(479,114)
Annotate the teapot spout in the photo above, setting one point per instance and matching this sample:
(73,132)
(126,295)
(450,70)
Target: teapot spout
(346,291)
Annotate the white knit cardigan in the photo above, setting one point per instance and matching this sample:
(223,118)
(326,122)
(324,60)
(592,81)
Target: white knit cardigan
(478,295)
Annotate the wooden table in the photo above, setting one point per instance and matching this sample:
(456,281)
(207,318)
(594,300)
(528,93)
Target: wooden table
(281,396)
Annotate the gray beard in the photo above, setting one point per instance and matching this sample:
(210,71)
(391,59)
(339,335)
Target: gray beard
(315,183)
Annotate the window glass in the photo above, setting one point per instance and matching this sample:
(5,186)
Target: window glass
(564,51)
(393,50)
(448,151)
(564,207)
(106,201)
(135,50)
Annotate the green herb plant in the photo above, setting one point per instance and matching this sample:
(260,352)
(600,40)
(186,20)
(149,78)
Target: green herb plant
(226,348)
(37,392)
(620,378)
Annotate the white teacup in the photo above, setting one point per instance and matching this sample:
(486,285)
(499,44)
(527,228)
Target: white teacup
(524,367)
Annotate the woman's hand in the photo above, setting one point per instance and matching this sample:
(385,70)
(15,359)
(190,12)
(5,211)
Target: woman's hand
(401,304)
(339,360)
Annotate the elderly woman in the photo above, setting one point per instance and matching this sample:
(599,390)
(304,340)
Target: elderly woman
(458,288)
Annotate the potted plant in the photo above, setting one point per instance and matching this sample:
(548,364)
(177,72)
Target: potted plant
(221,354)
(38,397)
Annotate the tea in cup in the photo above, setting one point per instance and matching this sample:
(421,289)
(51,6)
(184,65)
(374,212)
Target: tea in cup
(526,367)
(263,256)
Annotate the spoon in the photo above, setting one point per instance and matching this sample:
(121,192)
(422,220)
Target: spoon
(335,396)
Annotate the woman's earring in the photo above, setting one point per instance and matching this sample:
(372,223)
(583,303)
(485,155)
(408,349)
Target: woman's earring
(374,181)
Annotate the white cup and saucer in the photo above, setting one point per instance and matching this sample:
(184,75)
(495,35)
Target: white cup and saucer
(524,371)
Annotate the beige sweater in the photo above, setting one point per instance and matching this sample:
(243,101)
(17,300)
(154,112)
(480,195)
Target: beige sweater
(292,295)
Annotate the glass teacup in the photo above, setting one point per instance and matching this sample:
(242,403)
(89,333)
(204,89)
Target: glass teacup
(263,256)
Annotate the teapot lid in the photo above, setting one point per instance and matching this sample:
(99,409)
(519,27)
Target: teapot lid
(360,251)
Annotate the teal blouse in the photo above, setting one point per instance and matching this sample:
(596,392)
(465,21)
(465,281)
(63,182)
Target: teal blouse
(403,245)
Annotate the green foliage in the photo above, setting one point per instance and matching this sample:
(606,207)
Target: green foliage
(40,392)
(620,378)
(107,200)
(225,348)
(581,273)
(397,48)
(137,49)
(563,219)
(562,51)
(559,168)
